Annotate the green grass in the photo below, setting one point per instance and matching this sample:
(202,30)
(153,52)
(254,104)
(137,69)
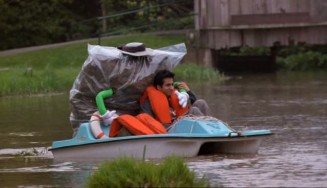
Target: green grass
(55,69)
(193,72)
(74,55)
(127,172)
(16,81)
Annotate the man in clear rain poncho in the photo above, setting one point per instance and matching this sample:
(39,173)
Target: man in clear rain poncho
(128,70)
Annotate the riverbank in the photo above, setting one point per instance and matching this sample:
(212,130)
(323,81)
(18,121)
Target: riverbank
(53,68)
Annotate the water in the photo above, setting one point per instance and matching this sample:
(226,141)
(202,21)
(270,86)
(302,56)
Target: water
(293,106)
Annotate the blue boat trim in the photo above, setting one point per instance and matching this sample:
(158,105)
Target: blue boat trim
(57,145)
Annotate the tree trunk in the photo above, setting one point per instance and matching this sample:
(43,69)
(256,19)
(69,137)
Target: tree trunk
(104,13)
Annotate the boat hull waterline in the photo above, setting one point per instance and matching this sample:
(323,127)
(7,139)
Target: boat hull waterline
(186,139)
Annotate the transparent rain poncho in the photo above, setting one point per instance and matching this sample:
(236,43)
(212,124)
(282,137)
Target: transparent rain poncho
(107,68)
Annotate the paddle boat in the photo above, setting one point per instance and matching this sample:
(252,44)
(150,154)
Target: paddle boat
(187,137)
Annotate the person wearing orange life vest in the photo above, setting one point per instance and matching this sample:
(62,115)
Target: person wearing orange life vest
(165,103)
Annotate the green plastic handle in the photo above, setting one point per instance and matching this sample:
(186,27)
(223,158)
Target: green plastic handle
(100,100)
(176,86)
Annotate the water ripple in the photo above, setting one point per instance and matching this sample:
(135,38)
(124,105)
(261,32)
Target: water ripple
(61,167)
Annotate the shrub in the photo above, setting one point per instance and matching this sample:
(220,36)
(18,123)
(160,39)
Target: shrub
(128,172)
(304,61)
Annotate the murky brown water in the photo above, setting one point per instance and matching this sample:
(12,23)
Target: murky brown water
(293,105)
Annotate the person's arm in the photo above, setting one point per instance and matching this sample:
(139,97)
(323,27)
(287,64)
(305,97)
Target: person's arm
(192,96)
(183,85)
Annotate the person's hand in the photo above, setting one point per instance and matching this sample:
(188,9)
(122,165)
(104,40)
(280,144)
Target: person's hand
(108,117)
(183,85)
(182,98)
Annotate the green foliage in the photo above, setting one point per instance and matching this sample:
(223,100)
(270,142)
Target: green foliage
(150,15)
(304,61)
(27,23)
(291,50)
(302,57)
(183,22)
(30,23)
(197,72)
(127,172)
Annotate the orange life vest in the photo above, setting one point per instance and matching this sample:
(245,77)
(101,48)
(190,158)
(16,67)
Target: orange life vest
(160,104)
(142,124)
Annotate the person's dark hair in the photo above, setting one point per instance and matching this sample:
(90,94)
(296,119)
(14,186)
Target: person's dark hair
(161,75)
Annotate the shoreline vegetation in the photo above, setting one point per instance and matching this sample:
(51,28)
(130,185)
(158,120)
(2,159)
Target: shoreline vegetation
(53,70)
(172,171)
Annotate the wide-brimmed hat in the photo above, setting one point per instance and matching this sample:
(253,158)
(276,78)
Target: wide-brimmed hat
(135,49)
